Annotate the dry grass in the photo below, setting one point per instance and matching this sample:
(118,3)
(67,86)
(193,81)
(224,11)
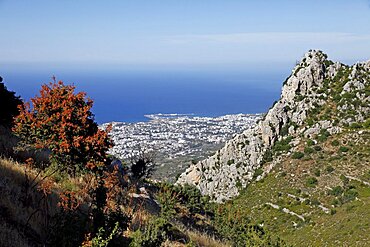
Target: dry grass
(7,141)
(8,145)
(197,239)
(200,239)
(204,240)
(21,215)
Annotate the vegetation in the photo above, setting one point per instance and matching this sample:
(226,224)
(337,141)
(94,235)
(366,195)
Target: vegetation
(61,121)
(81,200)
(318,195)
(297,155)
(9,103)
(311,182)
(283,145)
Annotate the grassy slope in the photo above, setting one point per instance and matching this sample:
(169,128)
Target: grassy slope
(349,225)
(18,227)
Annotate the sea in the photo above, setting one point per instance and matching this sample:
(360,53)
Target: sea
(129,95)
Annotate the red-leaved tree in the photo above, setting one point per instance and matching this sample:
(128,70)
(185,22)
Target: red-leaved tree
(60,121)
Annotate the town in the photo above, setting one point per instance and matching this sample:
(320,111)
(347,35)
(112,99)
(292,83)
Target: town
(176,139)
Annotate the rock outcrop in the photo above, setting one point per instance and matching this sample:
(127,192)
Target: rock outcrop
(308,89)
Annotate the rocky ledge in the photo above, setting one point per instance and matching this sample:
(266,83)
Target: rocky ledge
(314,83)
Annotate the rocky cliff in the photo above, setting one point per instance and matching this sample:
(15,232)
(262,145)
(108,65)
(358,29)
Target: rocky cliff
(320,96)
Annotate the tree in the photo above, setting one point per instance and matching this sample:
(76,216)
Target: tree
(8,105)
(60,121)
(142,164)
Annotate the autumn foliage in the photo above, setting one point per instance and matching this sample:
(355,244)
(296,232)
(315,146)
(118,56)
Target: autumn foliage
(60,121)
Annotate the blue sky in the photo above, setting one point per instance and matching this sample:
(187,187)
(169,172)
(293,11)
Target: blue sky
(182,33)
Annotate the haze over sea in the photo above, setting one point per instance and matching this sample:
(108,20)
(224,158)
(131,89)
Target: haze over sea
(128,95)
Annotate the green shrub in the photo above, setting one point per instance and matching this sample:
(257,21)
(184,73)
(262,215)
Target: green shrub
(238,184)
(349,195)
(344,179)
(284,130)
(153,234)
(343,149)
(366,124)
(315,202)
(100,241)
(187,195)
(283,145)
(317,172)
(267,157)
(317,148)
(310,122)
(335,202)
(230,162)
(258,172)
(297,155)
(329,169)
(238,165)
(311,182)
(355,126)
(323,135)
(241,232)
(336,191)
(310,142)
(308,150)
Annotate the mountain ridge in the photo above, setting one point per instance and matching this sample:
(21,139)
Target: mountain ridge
(312,85)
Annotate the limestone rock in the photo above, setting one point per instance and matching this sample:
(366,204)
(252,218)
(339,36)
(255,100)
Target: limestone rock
(233,166)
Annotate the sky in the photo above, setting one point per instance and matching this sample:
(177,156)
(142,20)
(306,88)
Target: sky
(182,33)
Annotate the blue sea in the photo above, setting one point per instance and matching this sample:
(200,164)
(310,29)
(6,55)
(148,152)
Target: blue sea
(127,96)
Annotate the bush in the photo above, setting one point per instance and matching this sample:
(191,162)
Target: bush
(142,165)
(349,195)
(9,105)
(336,191)
(343,149)
(311,182)
(355,126)
(310,142)
(335,143)
(297,155)
(241,232)
(344,179)
(187,195)
(323,135)
(317,172)
(60,121)
(153,234)
(100,240)
(267,157)
(317,148)
(366,124)
(308,150)
(258,172)
(230,162)
(284,130)
(335,202)
(283,145)
(329,169)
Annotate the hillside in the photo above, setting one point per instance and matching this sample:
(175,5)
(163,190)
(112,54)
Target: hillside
(301,175)
(319,96)
(304,172)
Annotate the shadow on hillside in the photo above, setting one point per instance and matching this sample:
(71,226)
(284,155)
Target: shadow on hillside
(8,144)
(28,216)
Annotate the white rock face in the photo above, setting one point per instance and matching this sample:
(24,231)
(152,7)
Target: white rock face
(232,167)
